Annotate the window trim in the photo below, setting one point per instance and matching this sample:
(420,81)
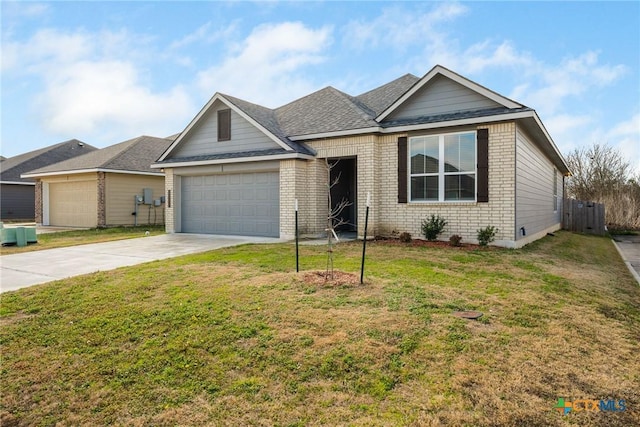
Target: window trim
(441,172)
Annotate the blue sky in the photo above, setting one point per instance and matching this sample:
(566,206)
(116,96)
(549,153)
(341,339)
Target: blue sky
(105,72)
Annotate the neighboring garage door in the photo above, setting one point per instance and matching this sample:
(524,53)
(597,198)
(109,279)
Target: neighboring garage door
(244,204)
(73,204)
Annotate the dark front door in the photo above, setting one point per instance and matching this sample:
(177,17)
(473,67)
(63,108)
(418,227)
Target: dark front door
(344,190)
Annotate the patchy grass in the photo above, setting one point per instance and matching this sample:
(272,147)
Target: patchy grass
(82,237)
(233,337)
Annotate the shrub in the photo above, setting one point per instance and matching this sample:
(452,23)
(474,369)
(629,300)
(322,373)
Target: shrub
(405,237)
(432,227)
(487,235)
(455,240)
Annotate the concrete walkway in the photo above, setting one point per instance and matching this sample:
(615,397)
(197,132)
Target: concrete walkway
(32,268)
(629,249)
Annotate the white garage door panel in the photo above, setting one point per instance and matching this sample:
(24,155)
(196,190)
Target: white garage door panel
(241,204)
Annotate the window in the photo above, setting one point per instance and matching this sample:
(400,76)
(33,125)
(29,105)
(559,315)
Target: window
(224,125)
(443,167)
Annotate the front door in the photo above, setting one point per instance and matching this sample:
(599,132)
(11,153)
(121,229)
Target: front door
(344,191)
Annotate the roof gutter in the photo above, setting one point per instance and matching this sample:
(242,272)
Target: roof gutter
(79,171)
(17,183)
(170,164)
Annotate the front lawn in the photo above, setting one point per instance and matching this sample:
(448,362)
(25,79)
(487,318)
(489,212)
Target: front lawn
(235,337)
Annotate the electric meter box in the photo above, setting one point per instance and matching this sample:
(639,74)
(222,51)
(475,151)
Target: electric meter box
(148,196)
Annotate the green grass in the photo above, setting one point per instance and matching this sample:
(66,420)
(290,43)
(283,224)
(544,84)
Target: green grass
(80,237)
(235,337)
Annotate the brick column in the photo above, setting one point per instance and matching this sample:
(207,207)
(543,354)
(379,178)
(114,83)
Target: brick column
(38,202)
(102,194)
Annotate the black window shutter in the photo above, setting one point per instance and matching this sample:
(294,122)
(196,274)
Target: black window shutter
(483,165)
(402,169)
(224,125)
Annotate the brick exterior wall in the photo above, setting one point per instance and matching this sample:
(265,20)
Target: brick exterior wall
(463,218)
(38,202)
(102,196)
(377,164)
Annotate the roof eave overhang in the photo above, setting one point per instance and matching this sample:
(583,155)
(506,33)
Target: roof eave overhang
(534,123)
(17,183)
(94,170)
(287,156)
(459,122)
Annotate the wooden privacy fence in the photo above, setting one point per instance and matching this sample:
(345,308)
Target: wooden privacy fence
(583,217)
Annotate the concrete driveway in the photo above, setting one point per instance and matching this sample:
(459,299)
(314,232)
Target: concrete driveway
(32,268)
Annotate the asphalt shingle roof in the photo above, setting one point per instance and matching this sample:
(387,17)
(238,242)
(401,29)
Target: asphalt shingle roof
(135,155)
(330,110)
(13,167)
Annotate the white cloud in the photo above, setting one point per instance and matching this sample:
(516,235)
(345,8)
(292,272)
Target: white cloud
(625,136)
(105,95)
(549,86)
(262,68)
(94,85)
(399,27)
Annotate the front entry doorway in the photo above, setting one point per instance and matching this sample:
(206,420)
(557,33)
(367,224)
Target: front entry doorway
(343,176)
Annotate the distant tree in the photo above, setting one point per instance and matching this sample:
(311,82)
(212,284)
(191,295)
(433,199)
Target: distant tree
(596,171)
(601,174)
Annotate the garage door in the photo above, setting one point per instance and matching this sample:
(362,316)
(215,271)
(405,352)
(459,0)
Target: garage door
(238,204)
(73,204)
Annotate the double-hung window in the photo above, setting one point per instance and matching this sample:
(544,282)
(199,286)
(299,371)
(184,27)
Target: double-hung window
(443,167)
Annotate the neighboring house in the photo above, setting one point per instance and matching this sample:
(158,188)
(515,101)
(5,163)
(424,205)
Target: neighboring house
(440,144)
(18,194)
(99,189)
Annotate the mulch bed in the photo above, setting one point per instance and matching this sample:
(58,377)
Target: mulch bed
(340,278)
(434,244)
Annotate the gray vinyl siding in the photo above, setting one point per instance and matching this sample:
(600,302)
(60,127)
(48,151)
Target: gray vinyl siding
(440,96)
(18,202)
(203,138)
(534,188)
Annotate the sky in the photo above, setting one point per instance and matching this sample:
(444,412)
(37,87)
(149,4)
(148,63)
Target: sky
(105,72)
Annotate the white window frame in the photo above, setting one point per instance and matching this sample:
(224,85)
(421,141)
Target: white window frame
(441,173)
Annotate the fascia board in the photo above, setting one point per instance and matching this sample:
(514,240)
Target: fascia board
(95,170)
(458,79)
(234,160)
(17,183)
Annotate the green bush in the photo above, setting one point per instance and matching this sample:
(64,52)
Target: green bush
(432,227)
(487,235)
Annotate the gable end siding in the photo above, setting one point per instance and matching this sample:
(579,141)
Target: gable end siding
(441,96)
(203,138)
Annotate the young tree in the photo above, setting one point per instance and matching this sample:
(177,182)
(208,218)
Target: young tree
(334,217)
